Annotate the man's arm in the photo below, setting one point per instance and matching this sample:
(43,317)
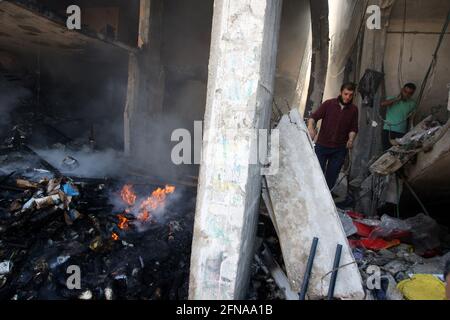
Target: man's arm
(353,130)
(389,102)
(351,139)
(315,117)
(312,128)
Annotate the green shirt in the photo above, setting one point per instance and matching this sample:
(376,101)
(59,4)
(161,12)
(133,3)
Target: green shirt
(397,115)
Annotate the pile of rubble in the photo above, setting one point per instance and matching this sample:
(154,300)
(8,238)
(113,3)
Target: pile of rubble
(49,222)
(398,250)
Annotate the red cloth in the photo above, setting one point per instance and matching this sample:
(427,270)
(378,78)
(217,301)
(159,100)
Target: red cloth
(389,235)
(373,244)
(363,230)
(337,123)
(355,215)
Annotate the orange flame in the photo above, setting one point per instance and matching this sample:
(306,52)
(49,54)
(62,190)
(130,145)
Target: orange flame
(128,195)
(156,200)
(123,222)
(115,236)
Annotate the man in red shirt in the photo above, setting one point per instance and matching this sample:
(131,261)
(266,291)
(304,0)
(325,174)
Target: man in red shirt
(337,133)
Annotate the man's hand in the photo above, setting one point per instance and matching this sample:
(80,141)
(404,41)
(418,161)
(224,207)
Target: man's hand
(350,144)
(312,133)
(312,129)
(388,103)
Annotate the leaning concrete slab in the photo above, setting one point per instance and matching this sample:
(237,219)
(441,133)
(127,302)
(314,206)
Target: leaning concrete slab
(240,85)
(304,209)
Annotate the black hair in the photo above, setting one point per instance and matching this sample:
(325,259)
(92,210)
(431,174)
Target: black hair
(350,86)
(411,86)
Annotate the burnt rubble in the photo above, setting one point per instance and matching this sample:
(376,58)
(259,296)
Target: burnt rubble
(49,222)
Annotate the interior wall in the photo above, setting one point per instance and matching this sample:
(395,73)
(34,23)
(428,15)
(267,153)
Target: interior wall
(171,82)
(185,56)
(345,23)
(294,54)
(427,18)
(86,93)
(74,93)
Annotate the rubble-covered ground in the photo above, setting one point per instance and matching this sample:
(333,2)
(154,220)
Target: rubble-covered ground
(397,249)
(49,222)
(387,250)
(55,214)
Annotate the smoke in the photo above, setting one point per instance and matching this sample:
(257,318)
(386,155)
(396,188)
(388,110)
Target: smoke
(98,164)
(11,96)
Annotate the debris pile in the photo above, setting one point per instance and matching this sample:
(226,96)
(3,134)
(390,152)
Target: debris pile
(50,222)
(400,251)
(420,138)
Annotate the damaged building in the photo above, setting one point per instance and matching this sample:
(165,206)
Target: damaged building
(161,148)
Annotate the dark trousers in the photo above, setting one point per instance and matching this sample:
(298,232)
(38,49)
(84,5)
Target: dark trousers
(331,161)
(387,136)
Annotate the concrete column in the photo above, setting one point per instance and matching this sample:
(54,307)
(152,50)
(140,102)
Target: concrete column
(240,85)
(319,59)
(145,81)
(368,143)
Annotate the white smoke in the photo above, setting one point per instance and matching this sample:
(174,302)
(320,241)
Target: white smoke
(96,164)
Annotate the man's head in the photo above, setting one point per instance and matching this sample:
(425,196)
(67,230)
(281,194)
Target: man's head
(347,93)
(408,91)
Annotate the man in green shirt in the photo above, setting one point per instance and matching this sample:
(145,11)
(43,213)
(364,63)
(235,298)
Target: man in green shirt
(399,110)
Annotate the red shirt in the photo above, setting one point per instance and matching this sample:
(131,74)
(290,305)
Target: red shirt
(337,123)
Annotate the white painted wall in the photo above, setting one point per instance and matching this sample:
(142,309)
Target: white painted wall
(345,19)
(423,16)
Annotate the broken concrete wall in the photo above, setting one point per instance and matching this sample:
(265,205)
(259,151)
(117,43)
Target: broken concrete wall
(429,174)
(240,86)
(304,209)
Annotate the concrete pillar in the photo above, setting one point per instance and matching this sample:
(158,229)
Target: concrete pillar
(319,59)
(240,92)
(368,143)
(145,81)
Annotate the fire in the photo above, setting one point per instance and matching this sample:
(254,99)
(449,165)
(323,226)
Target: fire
(144,215)
(156,200)
(128,195)
(145,207)
(123,222)
(115,236)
